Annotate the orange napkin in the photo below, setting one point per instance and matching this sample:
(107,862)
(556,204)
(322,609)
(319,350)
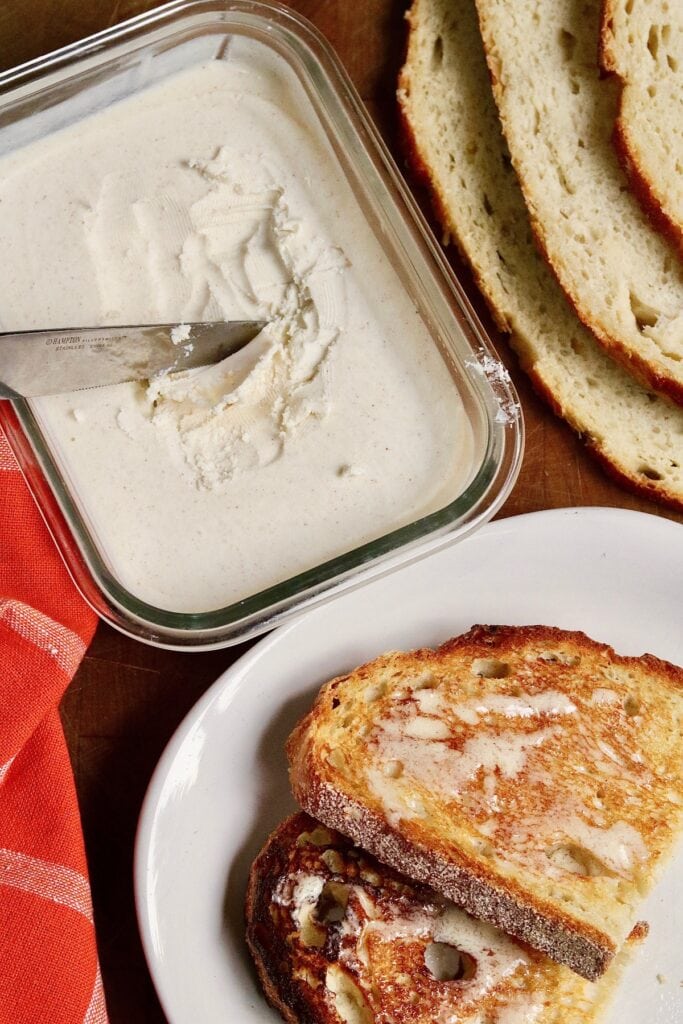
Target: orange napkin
(49,973)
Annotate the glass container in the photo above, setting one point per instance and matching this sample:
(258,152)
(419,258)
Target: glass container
(78,81)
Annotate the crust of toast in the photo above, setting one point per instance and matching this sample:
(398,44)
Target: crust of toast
(440,845)
(462,881)
(266,945)
(378,938)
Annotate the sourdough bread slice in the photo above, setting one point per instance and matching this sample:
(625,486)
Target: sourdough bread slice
(643,44)
(454,143)
(529,774)
(338,938)
(624,280)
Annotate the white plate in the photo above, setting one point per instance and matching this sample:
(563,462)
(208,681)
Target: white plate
(221,785)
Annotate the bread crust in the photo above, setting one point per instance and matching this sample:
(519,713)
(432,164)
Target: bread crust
(642,186)
(666,382)
(631,360)
(421,173)
(267,946)
(627,355)
(412,848)
(646,486)
(637,484)
(377,938)
(605,54)
(460,882)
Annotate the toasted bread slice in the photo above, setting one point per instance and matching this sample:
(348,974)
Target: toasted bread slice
(338,938)
(529,774)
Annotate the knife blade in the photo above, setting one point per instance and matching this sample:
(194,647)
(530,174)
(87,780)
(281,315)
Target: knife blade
(35,363)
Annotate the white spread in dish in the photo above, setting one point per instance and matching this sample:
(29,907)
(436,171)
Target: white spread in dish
(215,195)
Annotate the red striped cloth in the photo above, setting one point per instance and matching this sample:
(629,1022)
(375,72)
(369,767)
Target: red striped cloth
(48,960)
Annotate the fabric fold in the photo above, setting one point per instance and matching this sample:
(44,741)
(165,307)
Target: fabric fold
(49,970)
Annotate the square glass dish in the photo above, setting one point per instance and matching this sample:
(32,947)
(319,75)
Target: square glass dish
(211,160)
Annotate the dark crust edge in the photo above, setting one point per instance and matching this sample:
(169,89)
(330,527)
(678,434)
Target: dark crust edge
(421,173)
(632,361)
(640,485)
(638,366)
(641,186)
(493,635)
(587,956)
(587,952)
(265,870)
(606,62)
(278,990)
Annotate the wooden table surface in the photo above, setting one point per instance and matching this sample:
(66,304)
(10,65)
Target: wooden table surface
(127,699)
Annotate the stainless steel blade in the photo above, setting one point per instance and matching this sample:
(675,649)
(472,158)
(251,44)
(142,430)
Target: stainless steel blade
(34,363)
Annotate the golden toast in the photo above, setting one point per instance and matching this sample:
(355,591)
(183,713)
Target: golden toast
(529,774)
(338,938)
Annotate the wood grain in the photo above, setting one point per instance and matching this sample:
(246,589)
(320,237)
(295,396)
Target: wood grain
(127,699)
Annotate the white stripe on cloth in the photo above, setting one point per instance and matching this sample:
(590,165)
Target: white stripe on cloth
(61,885)
(47,880)
(62,644)
(97,1009)
(4,768)
(7,460)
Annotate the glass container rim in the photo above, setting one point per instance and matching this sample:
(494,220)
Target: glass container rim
(481,498)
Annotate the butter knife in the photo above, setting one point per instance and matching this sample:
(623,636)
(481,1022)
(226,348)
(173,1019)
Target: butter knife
(35,363)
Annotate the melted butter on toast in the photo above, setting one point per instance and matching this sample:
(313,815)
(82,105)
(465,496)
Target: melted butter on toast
(472,754)
(529,773)
(389,951)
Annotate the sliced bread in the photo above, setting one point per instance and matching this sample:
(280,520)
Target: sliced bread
(529,774)
(454,143)
(338,938)
(642,43)
(622,277)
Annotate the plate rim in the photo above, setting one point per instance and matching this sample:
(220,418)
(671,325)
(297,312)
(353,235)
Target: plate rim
(598,515)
